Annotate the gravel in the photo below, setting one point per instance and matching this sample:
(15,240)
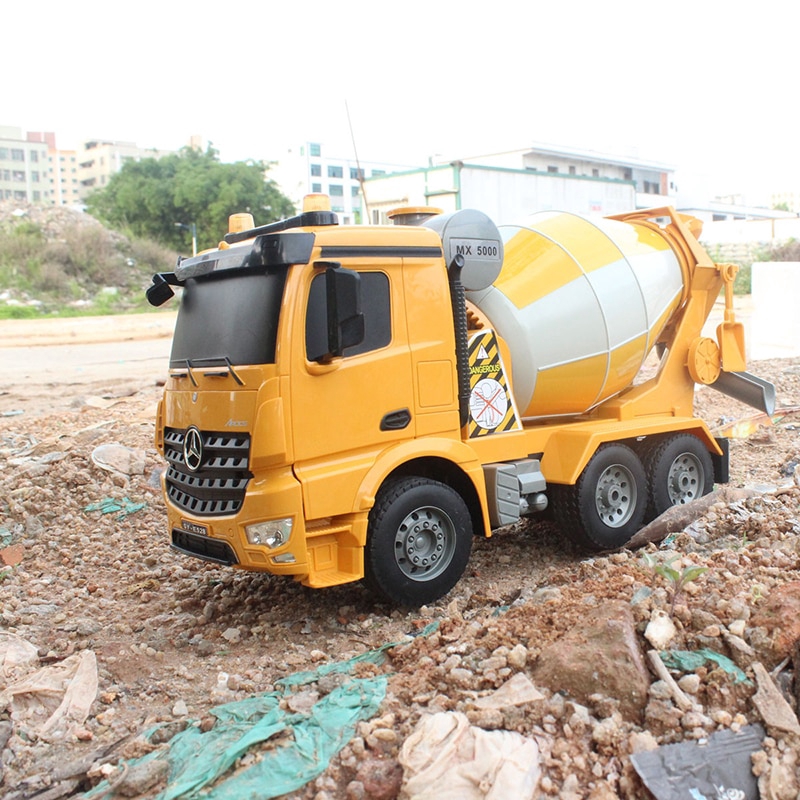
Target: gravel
(174,636)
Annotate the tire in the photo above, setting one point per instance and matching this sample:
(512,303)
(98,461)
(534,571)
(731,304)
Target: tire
(607,504)
(418,541)
(679,469)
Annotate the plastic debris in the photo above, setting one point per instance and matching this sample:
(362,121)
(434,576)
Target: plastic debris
(717,770)
(108,505)
(15,655)
(446,758)
(6,537)
(690,660)
(516,691)
(54,700)
(302,743)
(118,458)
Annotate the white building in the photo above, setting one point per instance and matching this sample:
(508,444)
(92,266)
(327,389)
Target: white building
(23,166)
(509,185)
(310,169)
(98,160)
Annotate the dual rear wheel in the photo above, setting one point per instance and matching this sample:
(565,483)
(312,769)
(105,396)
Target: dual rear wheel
(619,491)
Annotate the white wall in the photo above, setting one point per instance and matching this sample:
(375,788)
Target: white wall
(775,321)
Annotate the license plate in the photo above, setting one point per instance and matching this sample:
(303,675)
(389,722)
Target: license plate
(192,528)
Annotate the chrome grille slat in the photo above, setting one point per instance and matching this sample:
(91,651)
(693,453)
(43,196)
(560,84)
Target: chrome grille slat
(218,487)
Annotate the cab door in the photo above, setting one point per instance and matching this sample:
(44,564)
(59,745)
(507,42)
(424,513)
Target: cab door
(348,410)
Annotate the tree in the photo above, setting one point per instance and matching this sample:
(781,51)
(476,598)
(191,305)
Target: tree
(150,196)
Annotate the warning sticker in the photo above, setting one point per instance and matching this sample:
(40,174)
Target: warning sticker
(491,406)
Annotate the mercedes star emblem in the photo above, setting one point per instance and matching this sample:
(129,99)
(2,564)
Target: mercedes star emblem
(193,449)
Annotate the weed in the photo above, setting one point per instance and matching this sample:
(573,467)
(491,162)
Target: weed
(677,580)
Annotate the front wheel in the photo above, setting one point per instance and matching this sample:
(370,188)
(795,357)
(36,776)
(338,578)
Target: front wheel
(418,542)
(679,469)
(607,504)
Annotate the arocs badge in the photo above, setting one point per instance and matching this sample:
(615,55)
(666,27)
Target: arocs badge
(491,406)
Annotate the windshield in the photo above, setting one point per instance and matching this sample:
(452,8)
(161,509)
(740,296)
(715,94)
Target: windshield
(229,316)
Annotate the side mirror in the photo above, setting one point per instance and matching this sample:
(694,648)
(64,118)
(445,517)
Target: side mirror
(159,291)
(345,318)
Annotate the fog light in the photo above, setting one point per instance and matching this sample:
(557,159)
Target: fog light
(274,533)
(284,558)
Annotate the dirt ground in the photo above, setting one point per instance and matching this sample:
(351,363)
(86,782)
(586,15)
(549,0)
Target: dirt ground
(90,572)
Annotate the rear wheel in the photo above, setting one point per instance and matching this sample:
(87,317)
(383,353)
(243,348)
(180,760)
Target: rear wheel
(679,469)
(607,504)
(418,542)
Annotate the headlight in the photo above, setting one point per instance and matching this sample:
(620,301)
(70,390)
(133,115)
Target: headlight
(274,533)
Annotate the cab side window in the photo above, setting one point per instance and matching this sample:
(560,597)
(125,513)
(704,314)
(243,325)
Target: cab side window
(375,303)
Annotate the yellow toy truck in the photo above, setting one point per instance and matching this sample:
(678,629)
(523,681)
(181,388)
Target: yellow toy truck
(349,402)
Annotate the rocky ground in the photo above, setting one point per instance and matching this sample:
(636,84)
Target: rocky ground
(537,639)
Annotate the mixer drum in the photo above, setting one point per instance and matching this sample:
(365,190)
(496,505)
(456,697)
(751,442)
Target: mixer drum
(580,304)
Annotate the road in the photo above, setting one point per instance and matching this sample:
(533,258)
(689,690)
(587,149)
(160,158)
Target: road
(48,364)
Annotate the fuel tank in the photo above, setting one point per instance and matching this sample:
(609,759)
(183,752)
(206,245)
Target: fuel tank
(580,303)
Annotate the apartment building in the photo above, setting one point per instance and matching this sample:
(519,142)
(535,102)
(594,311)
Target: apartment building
(63,177)
(98,160)
(308,168)
(23,166)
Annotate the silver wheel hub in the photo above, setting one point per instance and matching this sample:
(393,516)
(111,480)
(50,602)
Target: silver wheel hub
(424,543)
(685,479)
(615,496)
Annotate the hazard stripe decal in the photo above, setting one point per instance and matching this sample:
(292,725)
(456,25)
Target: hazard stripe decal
(491,404)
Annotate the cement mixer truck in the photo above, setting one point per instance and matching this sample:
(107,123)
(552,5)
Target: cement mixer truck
(358,402)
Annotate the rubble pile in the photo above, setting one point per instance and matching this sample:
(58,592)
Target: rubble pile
(558,674)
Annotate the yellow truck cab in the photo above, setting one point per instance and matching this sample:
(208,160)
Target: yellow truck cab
(349,402)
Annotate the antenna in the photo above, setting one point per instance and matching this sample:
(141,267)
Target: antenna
(358,165)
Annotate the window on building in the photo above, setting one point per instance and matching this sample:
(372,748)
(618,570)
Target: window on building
(3,153)
(316,188)
(314,150)
(316,170)
(18,176)
(17,155)
(378,172)
(37,196)
(719,217)
(19,195)
(354,190)
(34,176)
(336,190)
(375,303)
(335,172)
(572,170)
(34,155)
(356,174)
(552,169)
(6,174)
(595,173)
(627,174)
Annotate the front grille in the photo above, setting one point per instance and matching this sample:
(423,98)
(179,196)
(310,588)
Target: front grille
(193,544)
(218,486)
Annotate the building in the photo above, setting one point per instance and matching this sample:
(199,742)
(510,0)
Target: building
(512,184)
(24,166)
(63,177)
(98,160)
(308,169)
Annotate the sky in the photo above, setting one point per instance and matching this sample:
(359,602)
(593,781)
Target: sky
(708,87)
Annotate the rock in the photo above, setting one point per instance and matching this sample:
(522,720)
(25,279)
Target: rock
(599,655)
(380,777)
(779,614)
(142,777)
(660,631)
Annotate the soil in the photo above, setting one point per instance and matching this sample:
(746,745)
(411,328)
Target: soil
(173,637)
